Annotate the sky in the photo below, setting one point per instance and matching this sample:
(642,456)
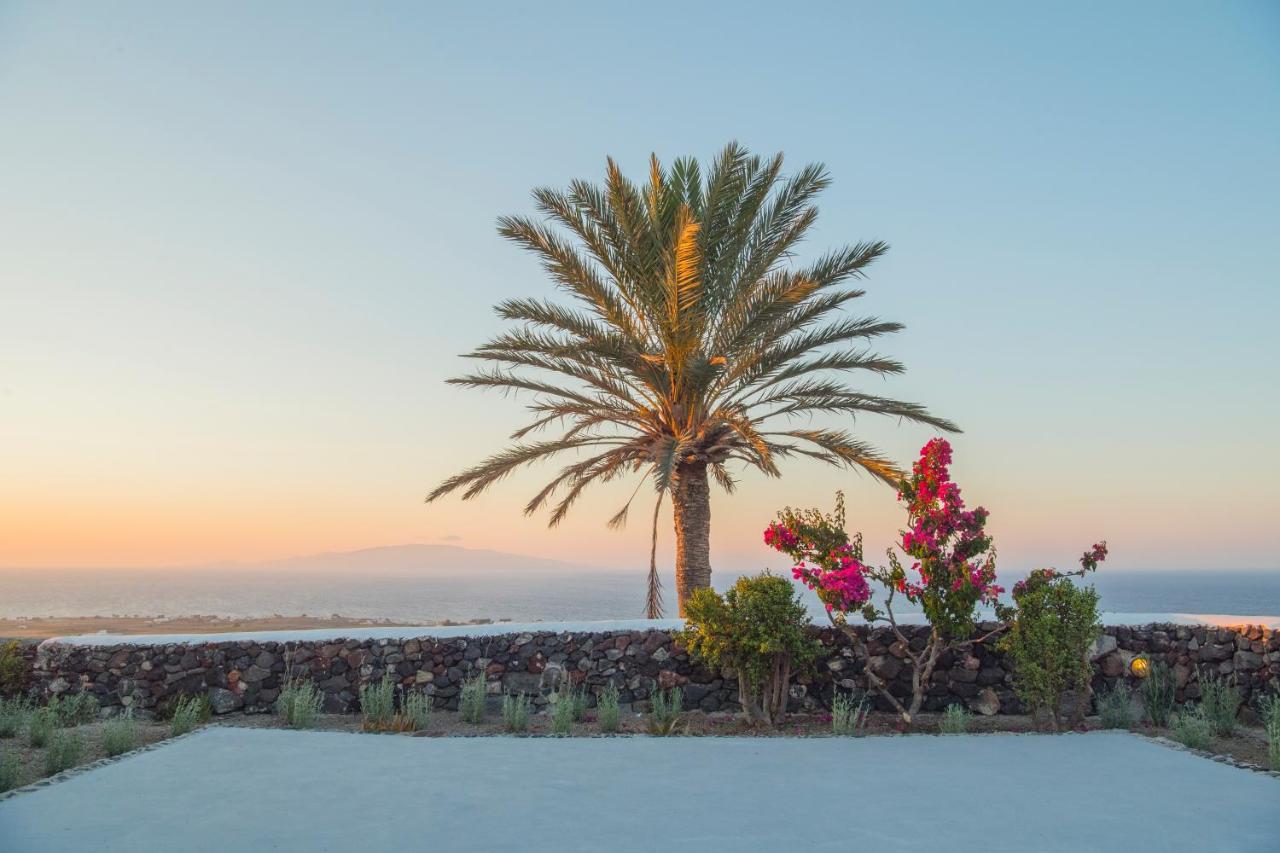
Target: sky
(243,245)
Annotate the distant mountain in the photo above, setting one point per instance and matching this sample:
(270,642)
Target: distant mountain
(412,560)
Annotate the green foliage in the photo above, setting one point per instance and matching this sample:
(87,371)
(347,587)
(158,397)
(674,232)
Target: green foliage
(189,712)
(1051,625)
(377,704)
(1269,710)
(72,709)
(1158,690)
(119,734)
(416,709)
(515,712)
(574,699)
(562,717)
(759,629)
(9,770)
(690,328)
(1115,707)
(65,751)
(1193,728)
(13,716)
(15,671)
(955,720)
(608,708)
(849,712)
(1220,700)
(665,710)
(40,725)
(471,702)
(299,703)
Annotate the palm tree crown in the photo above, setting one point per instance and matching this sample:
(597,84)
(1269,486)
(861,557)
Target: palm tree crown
(694,342)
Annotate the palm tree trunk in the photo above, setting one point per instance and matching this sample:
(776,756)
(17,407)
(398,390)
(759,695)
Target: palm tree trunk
(691,496)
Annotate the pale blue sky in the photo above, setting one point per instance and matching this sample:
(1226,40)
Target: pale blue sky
(241,247)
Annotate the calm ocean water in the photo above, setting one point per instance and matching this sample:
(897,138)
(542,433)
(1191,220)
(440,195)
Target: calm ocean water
(579,596)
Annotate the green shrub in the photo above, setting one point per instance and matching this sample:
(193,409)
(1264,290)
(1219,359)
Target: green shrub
(1269,710)
(119,734)
(377,704)
(9,770)
(471,702)
(1220,701)
(665,709)
(1158,693)
(64,752)
(40,725)
(1051,626)
(608,708)
(1192,728)
(72,709)
(515,712)
(562,717)
(189,712)
(849,712)
(15,670)
(759,628)
(416,709)
(13,716)
(573,698)
(955,720)
(299,703)
(1115,707)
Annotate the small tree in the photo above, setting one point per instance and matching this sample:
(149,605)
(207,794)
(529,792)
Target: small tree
(758,629)
(951,573)
(1052,622)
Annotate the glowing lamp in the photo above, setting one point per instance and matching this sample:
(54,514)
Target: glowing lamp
(1140,667)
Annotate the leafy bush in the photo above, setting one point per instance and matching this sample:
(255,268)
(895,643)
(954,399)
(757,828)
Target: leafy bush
(1158,691)
(299,703)
(1115,707)
(416,709)
(1220,700)
(562,717)
(15,670)
(64,752)
(189,712)
(608,708)
(1269,710)
(9,770)
(119,734)
(759,629)
(82,707)
(471,702)
(40,725)
(849,712)
(1051,625)
(955,720)
(13,716)
(665,709)
(515,712)
(377,704)
(1192,728)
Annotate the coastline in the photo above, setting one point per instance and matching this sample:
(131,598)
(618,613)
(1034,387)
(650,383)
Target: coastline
(46,627)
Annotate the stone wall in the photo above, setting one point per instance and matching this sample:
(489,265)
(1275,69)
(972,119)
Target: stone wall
(247,675)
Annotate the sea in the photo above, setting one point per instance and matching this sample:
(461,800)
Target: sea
(515,596)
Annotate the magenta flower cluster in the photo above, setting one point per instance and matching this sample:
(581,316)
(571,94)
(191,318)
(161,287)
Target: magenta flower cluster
(837,575)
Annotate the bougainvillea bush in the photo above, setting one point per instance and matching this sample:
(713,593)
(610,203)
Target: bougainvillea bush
(1052,623)
(950,567)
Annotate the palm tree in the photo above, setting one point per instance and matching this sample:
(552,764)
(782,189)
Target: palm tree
(696,341)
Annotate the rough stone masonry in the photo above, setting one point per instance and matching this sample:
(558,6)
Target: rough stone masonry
(247,676)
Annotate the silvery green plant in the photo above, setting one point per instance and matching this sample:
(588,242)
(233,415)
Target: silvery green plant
(849,712)
(64,751)
(377,704)
(1192,728)
(1269,710)
(471,702)
(416,708)
(1220,700)
(40,724)
(1115,708)
(1158,693)
(955,720)
(608,708)
(515,712)
(665,709)
(119,734)
(13,716)
(562,716)
(299,704)
(190,712)
(9,770)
